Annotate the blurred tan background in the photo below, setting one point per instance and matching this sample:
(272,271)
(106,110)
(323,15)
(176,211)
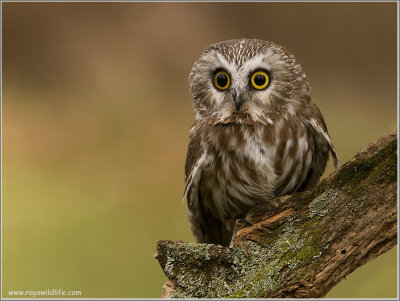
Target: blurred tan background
(96,114)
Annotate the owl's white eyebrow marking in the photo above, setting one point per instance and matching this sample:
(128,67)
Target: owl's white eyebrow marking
(229,66)
(256,62)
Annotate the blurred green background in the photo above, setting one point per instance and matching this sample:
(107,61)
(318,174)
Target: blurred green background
(96,114)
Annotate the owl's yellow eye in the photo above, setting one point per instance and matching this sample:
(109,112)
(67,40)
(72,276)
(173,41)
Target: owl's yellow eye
(222,80)
(259,80)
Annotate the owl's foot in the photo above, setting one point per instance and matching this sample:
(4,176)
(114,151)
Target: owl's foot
(240,223)
(243,221)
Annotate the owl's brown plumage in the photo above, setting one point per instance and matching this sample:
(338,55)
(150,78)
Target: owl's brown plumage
(256,134)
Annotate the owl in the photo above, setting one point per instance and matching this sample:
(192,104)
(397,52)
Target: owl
(256,134)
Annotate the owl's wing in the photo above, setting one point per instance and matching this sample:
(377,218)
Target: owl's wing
(204,225)
(316,123)
(324,133)
(322,146)
(195,159)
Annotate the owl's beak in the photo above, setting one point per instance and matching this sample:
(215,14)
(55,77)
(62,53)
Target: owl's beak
(238,99)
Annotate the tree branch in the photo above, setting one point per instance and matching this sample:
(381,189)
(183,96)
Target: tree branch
(299,245)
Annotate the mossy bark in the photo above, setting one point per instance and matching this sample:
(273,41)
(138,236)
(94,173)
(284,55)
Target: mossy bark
(299,245)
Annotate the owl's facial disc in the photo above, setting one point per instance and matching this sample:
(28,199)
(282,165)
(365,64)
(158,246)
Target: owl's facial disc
(240,87)
(245,82)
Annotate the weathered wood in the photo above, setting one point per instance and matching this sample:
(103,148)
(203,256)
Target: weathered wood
(299,245)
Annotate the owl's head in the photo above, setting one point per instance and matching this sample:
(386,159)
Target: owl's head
(247,81)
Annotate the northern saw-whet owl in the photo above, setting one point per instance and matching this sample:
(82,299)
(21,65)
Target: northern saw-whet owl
(256,134)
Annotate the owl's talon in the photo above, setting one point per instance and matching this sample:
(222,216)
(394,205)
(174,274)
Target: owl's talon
(244,221)
(240,223)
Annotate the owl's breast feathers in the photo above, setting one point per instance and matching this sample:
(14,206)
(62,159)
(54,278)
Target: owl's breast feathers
(231,167)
